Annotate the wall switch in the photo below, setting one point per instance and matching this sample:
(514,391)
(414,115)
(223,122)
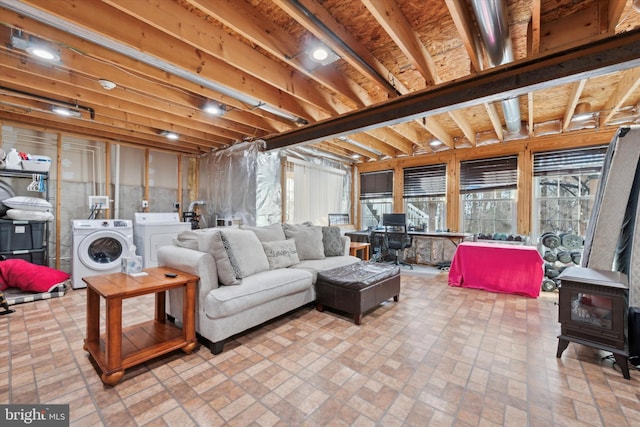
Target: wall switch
(145,204)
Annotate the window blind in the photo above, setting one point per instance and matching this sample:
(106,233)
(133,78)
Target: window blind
(425,181)
(567,162)
(489,174)
(376,185)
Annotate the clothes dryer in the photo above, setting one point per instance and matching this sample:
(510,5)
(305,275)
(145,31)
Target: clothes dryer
(151,230)
(98,246)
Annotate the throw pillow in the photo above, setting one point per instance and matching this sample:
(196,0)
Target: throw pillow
(268,233)
(213,244)
(332,241)
(308,241)
(27,203)
(281,254)
(22,215)
(245,252)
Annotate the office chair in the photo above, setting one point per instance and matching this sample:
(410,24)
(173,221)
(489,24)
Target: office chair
(397,240)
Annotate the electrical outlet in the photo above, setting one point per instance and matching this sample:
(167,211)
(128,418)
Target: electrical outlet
(145,204)
(176,205)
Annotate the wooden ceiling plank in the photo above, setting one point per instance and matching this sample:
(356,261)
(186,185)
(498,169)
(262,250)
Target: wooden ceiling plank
(462,19)
(463,124)
(353,148)
(574,97)
(432,125)
(174,20)
(354,54)
(614,9)
(535,27)
(373,143)
(494,118)
(99,18)
(628,83)
(387,136)
(391,18)
(257,28)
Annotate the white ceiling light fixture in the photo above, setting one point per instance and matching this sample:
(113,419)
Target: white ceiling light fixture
(214,108)
(170,135)
(43,52)
(107,84)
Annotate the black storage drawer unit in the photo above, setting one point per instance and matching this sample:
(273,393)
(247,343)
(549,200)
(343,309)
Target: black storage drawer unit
(21,235)
(34,256)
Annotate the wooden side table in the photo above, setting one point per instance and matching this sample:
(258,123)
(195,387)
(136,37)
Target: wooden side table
(119,349)
(354,247)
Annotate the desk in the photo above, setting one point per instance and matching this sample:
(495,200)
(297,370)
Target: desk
(455,238)
(498,268)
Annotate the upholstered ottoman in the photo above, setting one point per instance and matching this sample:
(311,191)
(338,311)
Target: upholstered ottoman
(357,288)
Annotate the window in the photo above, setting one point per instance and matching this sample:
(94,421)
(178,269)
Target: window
(376,196)
(488,195)
(565,183)
(313,191)
(425,188)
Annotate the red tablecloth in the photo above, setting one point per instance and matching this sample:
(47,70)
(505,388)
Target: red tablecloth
(498,268)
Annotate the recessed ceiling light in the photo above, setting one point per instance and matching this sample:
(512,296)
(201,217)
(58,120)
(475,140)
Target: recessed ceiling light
(320,53)
(43,53)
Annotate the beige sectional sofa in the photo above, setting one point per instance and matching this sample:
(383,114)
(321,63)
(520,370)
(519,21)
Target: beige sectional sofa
(249,275)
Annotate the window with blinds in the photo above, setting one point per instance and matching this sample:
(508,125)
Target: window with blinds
(569,162)
(489,174)
(376,185)
(425,181)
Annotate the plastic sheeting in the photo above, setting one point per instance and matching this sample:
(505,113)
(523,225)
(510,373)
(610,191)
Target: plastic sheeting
(243,184)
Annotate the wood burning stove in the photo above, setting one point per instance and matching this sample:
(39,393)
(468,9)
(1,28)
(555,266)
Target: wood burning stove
(593,307)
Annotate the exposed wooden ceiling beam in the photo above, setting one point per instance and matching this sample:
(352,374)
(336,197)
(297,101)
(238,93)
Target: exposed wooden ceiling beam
(462,20)
(391,18)
(627,85)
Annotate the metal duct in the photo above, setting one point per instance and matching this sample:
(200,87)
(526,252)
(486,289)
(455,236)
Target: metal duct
(493,22)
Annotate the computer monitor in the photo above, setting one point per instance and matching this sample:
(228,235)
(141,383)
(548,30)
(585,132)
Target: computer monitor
(394,219)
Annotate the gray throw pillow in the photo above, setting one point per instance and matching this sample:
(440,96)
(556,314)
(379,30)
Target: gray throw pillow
(332,241)
(212,243)
(308,241)
(245,252)
(268,233)
(281,254)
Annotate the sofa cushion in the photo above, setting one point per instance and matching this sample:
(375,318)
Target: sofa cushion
(245,252)
(257,289)
(268,233)
(281,254)
(308,241)
(332,241)
(212,243)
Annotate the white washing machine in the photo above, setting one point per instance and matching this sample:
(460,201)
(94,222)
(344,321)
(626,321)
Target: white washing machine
(152,230)
(98,245)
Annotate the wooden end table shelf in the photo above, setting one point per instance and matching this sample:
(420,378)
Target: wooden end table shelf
(118,349)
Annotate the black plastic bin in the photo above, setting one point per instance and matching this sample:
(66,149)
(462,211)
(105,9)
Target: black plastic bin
(21,235)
